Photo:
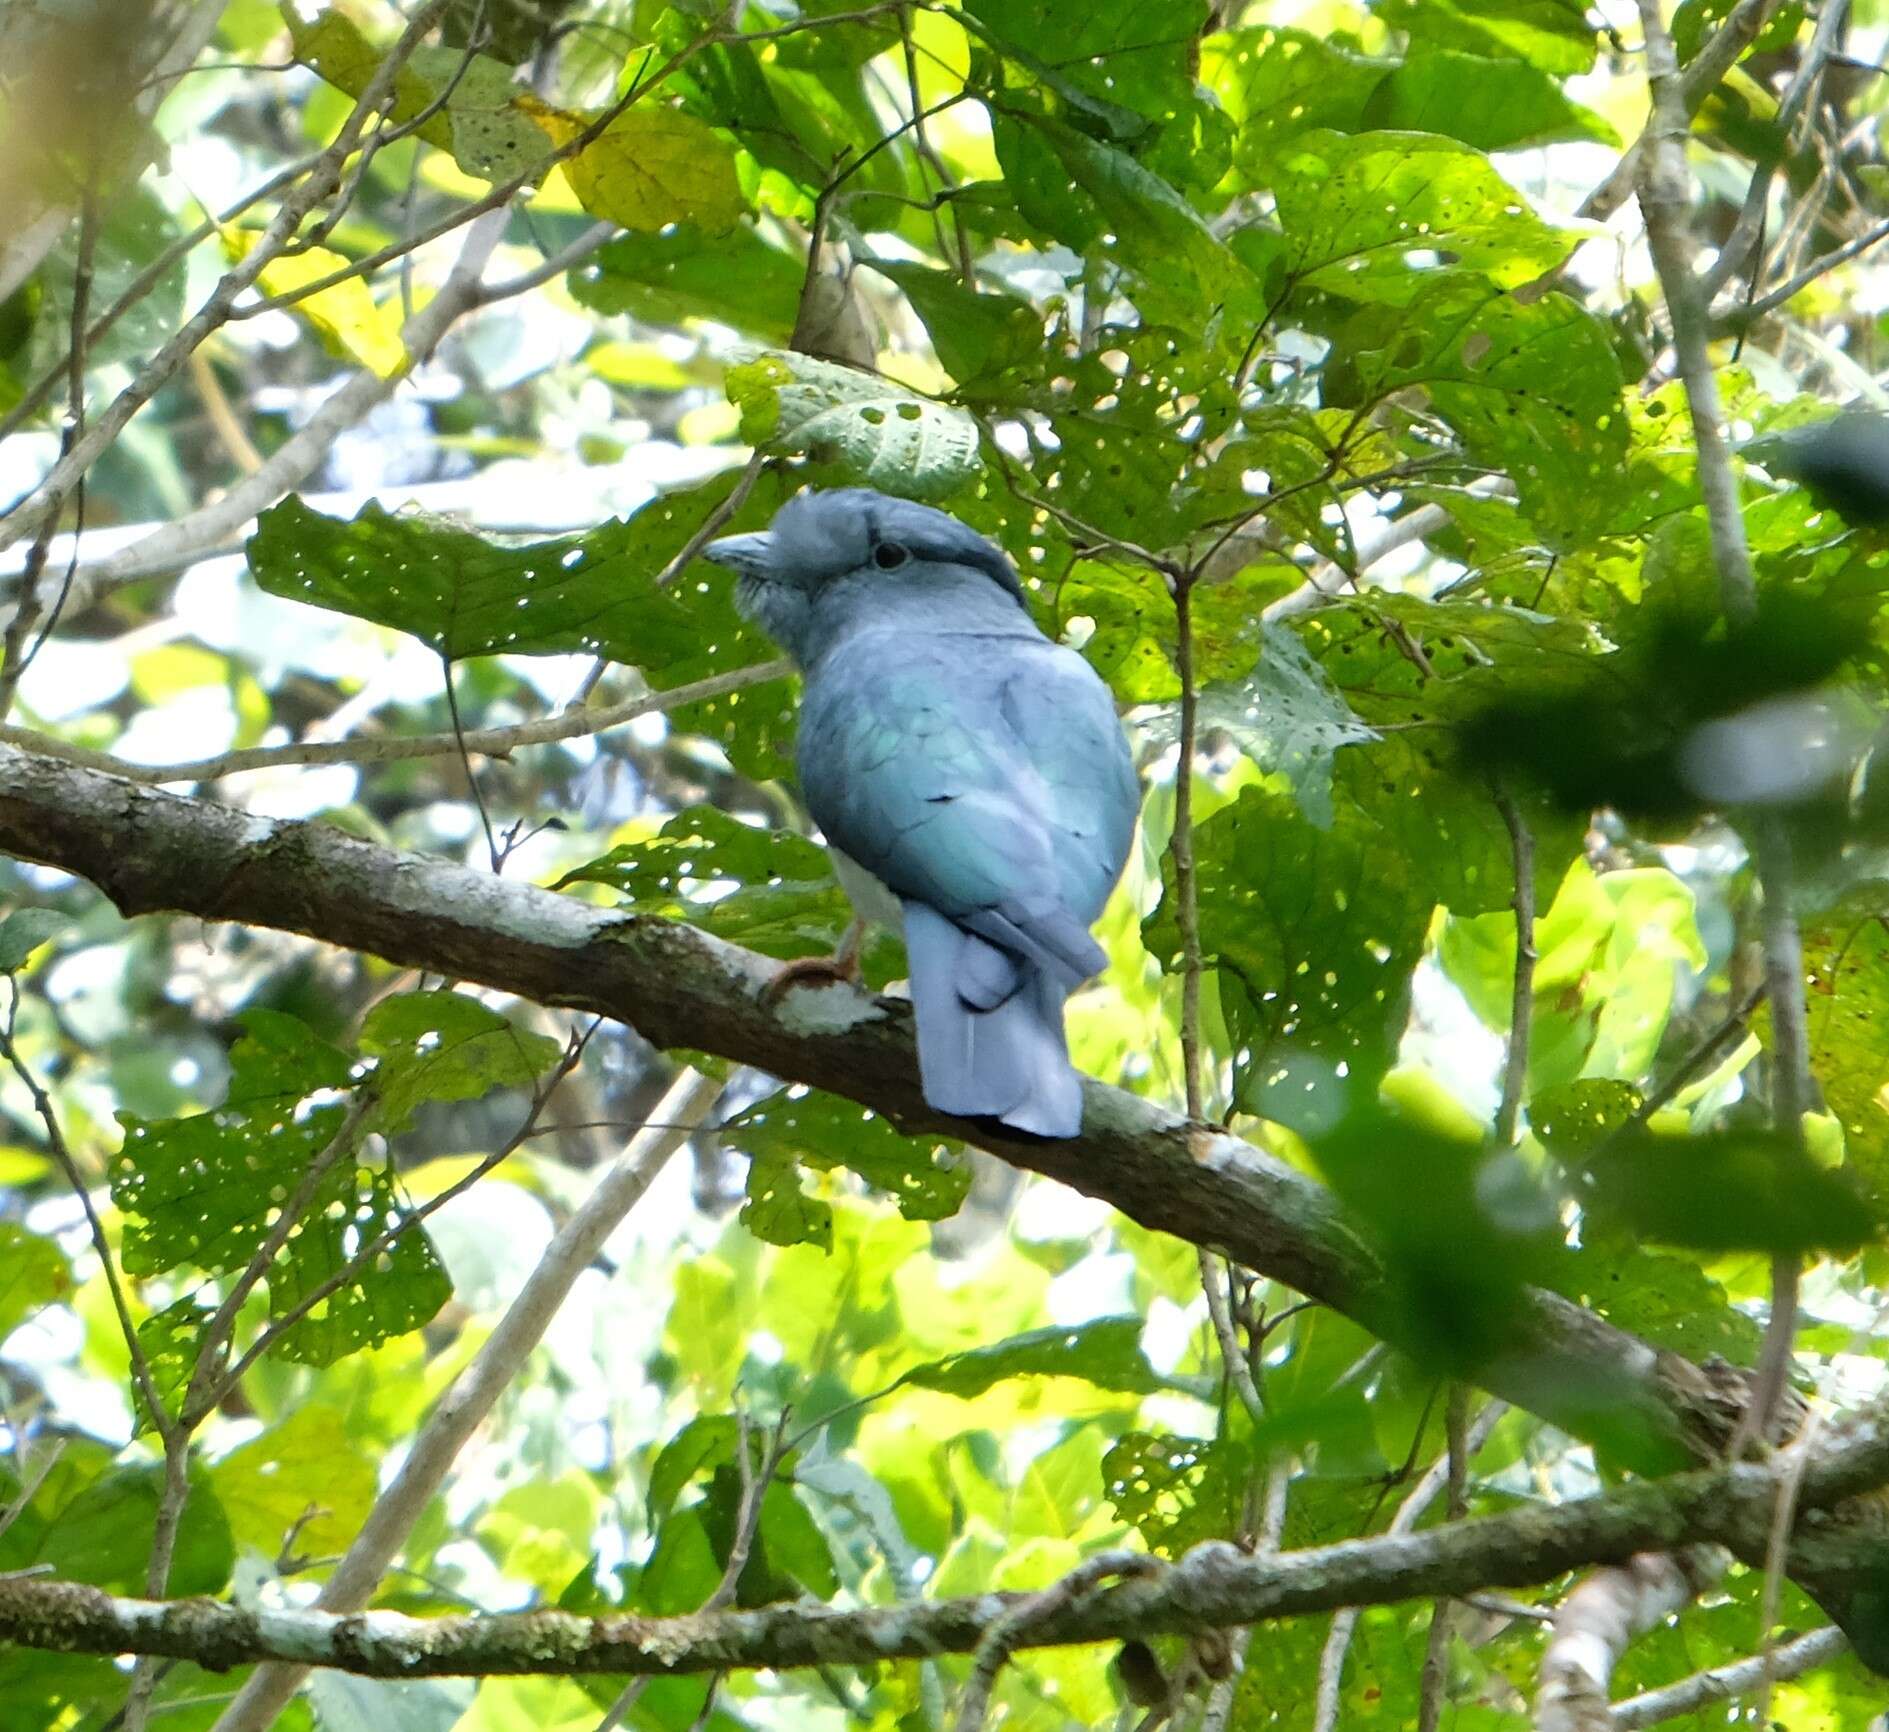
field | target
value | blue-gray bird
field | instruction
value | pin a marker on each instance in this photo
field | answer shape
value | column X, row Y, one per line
column 970, row 776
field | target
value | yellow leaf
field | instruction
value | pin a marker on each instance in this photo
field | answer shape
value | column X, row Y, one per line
column 346, row 314
column 650, row 167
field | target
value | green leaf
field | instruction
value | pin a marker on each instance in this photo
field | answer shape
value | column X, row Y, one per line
column 103, row 1536
column 1846, row 961
column 24, row 931
column 1557, row 36
column 875, row 431
column 1667, row 1301
column 1106, row 1352
column 34, row 1273
column 778, row 1212
column 1492, row 104
column 927, row 1177
column 737, row 279
column 200, row 1192
column 334, row 46
column 977, row 333
column 1458, row 1229
column 1183, row 271
column 134, row 231
column 1112, row 57
column 1177, row 1491
column 1279, row 83
column 682, row 1570
column 705, row 1443
column 464, row 595
column 1313, row 932
column 344, row 1703
column 1286, row 716
column 475, row 108
column 490, row 131
column 1533, row 389
column 1353, row 208
column 770, row 890
column 444, row 1046
column 1734, row 1190
column 305, row 1476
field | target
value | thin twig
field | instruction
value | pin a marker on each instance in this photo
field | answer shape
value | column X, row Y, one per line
column 24, row 517
column 158, row 1419
column 1004, row 1634
column 1215, row 1273
column 391, row 748
column 1434, row 1682
column 1435, row 1481
column 1522, row 995
column 1721, row 1683
column 1665, row 199
column 1181, row 851
column 465, row 1405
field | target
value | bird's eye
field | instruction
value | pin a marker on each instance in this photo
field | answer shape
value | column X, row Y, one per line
column 889, row 556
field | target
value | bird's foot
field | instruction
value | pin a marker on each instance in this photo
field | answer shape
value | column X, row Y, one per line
column 841, row 966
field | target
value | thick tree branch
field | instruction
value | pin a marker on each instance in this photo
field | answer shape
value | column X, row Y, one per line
column 1215, row 1586
column 1599, row 1619
column 679, row 987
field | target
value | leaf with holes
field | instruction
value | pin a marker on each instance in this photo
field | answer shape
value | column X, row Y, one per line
column 1313, row 932
column 1278, row 83
column 1286, row 716
column 203, row 1192
column 466, row 595
column 769, row 890
column 1533, row 389
column 444, row 1046
column 875, row 431
column 1177, row 1491
column 1355, row 208
column 1105, row 1351
column 926, row 1177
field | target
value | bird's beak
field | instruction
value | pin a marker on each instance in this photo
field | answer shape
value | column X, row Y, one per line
column 746, row 555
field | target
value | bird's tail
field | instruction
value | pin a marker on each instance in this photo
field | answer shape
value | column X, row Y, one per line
column 990, row 1030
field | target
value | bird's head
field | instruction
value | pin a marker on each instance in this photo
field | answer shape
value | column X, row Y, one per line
column 1843, row 460
column 830, row 557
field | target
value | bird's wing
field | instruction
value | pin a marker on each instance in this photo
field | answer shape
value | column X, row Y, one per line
column 943, row 768
column 1064, row 716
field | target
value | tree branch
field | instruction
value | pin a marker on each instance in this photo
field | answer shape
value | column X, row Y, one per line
column 680, row 987
column 1597, row 1621
column 1665, row 200
column 1720, row 1683
column 1216, row 1586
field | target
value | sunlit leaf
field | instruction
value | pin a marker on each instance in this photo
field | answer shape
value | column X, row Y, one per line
column 876, row 431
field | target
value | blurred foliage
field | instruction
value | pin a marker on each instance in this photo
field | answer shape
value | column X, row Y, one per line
column 1287, row 301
